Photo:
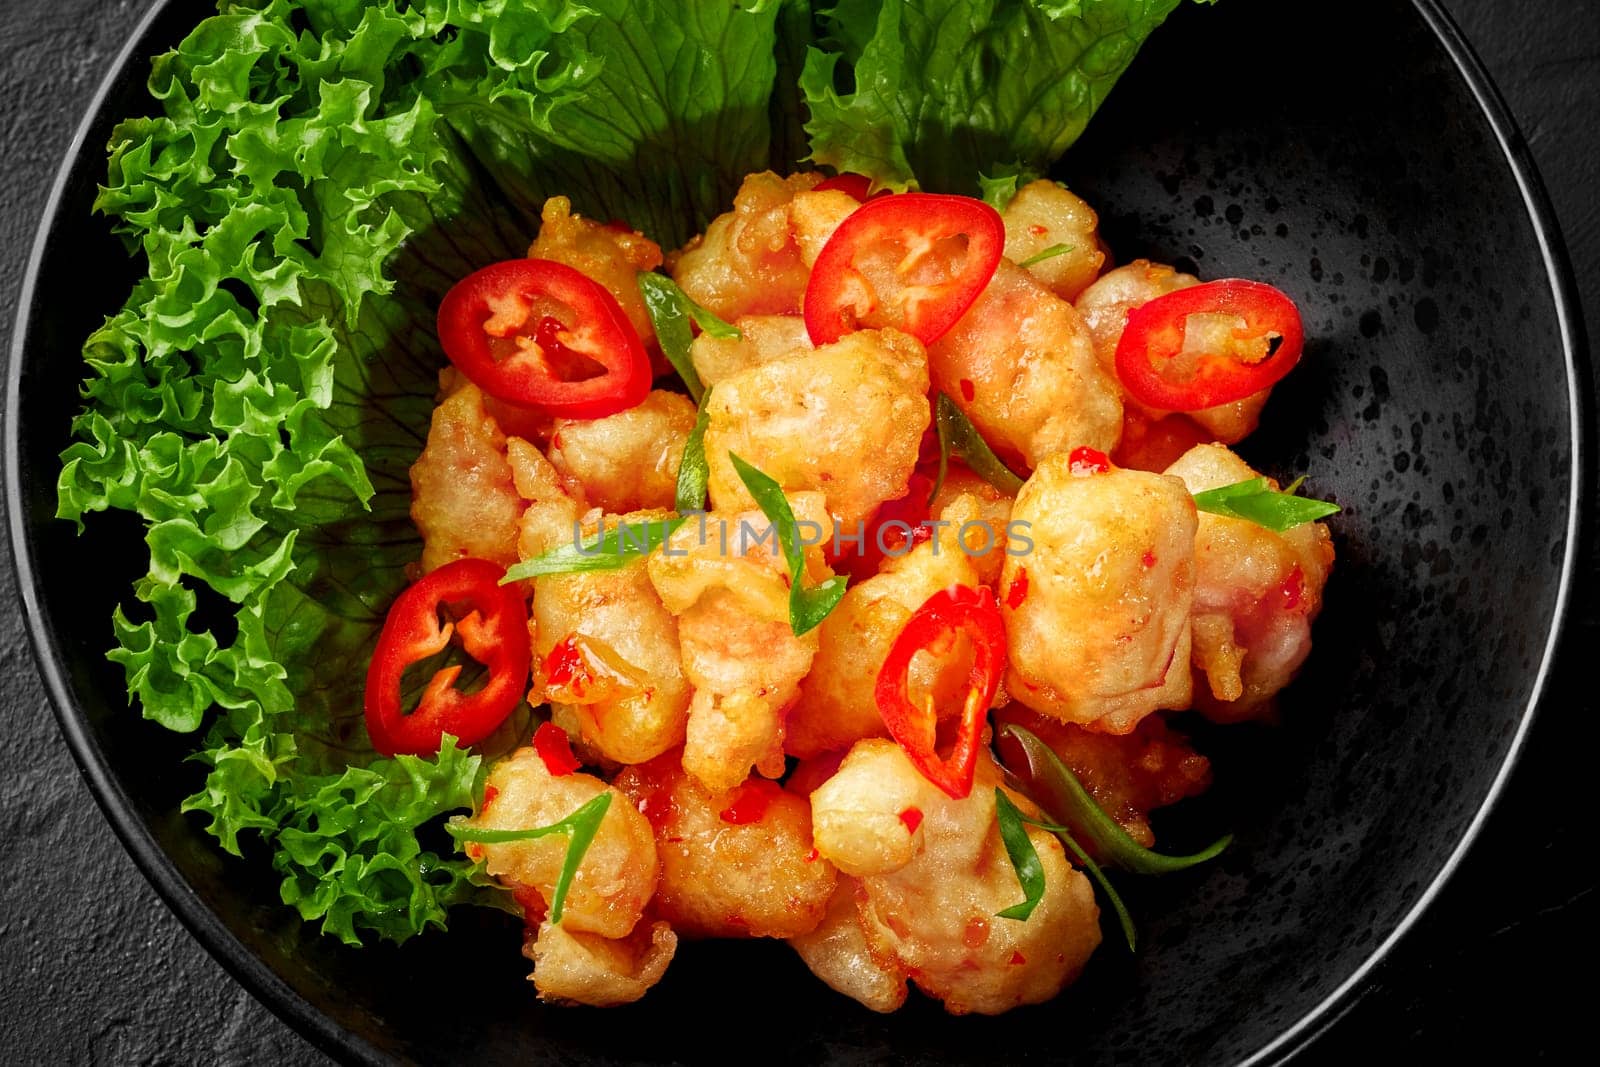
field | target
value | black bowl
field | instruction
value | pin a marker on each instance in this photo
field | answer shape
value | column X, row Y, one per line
column 1361, row 163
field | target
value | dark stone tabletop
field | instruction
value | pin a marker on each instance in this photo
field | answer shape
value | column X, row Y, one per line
column 93, row 968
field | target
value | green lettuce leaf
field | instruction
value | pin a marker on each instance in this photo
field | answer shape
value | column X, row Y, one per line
column 673, row 112
column 258, row 402
column 348, row 848
column 934, row 92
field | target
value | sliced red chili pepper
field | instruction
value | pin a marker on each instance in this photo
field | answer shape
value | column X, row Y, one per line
column 1159, row 371
column 492, row 624
column 915, row 262
column 933, row 628
column 857, row 185
column 751, row 801
column 912, row 818
column 555, row 749
column 543, row 335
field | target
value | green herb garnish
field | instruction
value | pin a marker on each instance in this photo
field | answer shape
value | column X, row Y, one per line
column 1024, row 858
column 1050, row 253
column 1030, row 873
column 1054, row 787
column 710, row 323
column 807, row 607
column 579, row 829
column 958, row 435
column 1254, row 500
column 694, row 473
column 671, row 311
column 612, row 550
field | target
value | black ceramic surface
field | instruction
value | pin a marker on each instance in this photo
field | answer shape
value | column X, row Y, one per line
column 1435, row 403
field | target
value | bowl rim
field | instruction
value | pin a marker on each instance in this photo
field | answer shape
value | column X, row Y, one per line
column 267, row 986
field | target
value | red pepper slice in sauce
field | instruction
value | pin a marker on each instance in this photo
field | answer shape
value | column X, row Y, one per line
column 750, row 801
column 915, row 262
column 1155, row 368
column 565, row 662
column 542, row 335
column 492, row 625
column 894, row 530
column 1018, row 590
column 933, row 628
column 1085, row 461
column 555, row 749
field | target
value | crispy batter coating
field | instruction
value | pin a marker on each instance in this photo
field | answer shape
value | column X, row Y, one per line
column 748, row 261
column 1129, row 775
column 760, row 878
column 932, row 917
column 1099, row 634
column 1256, row 595
column 837, row 952
column 464, row 500
column 551, row 506
column 1044, row 215
column 845, row 420
column 618, row 872
column 729, row 587
column 994, row 510
column 837, row 707
column 623, row 681
column 609, row 255
column 816, row 216
column 1021, row 364
column 627, row 461
column 577, row 968
column 856, row 814
column 762, row 339
column 1105, row 306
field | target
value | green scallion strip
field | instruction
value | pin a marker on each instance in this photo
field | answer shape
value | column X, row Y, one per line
column 613, row 550
column 1050, row 253
column 1254, row 500
column 1054, row 787
column 694, row 473
column 807, row 606
column 1025, row 860
column 671, row 311
column 958, row 435
column 579, row 828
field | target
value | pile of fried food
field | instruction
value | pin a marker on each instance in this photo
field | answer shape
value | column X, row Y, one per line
column 832, row 783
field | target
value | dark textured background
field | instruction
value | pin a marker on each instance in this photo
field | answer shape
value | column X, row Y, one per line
column 93, row 968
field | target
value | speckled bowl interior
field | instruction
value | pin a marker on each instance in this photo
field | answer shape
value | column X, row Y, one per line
column 1347, row 160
